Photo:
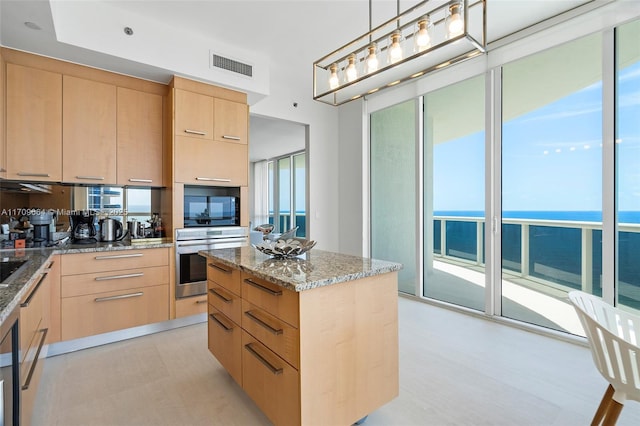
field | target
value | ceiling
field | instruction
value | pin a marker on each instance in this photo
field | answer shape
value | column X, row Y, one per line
column 291, row 34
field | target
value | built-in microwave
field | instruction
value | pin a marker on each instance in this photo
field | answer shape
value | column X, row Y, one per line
column 211, row 206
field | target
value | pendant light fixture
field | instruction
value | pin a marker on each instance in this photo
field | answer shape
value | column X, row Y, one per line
column 428, row 36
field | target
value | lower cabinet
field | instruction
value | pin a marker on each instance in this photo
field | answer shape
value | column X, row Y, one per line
column 191, row 306
column 96, row 297
column 328, row 355
column 33, row 326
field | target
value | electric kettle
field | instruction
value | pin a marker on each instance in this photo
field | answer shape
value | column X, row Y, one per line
column 111, row 230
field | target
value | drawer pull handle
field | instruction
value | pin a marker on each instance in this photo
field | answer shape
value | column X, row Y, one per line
column 33, row 174
column 195, row 132
column 122, row 296
column 90, row 177
column 219, row 268
column 220, row 296
column 274, row 370
column 118, row 256
column 118, row 277
column 27, row 383
column 263, row 288
column 220, row 323
column 141, row 180
column 35, row 289
column 50, row 265
column 233, row 138
column 276, row 331
column 198, row 302
column 210, row 179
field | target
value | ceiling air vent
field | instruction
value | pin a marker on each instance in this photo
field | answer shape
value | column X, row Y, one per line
column 221, row 62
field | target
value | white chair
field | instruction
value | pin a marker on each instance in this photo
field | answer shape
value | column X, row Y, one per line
column 613, row 337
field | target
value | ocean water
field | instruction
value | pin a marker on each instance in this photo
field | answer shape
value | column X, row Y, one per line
column 579, row 215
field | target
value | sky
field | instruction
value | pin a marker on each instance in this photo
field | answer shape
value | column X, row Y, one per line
column 551, row 157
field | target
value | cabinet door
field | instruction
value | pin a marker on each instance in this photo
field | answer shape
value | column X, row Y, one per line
column 208, row 162
column 3, row 150
column 34, row 124
column 139, row 138
column 88, row 131
column 230, row 121
column 225, row 343
column 193, row 115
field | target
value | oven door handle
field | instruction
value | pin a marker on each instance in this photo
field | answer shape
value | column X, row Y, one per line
column 205, row 243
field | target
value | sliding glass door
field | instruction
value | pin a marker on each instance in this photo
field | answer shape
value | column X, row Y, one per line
column 552, row 182
column 628, row 164
column 454, row 194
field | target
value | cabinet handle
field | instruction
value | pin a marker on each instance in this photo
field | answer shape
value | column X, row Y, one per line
column 219, row 268
column 27, row 383
column 263, row 288
column 274, row 370
column 276, row 331
column 51, row 264
column 122, row 296
column 195, row 132
column 32, row 174
column 90, row 177
column 141, row 180
column 220, row 323
column 118, row 256
column 35, row 289
column 233, row 138
column 198, row 302
column 220, row 296
column 117, row 277
column 208, row 179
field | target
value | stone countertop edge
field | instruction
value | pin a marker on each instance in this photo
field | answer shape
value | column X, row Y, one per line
column 21, row 281
column 334, row 276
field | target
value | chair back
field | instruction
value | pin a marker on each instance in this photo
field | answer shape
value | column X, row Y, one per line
column 613, row 337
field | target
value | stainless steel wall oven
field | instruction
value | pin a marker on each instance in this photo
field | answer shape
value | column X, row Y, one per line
column 191, row 268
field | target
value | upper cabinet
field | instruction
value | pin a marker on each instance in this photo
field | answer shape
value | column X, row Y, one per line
column 140, row 147
column 3, row 152
column 193, row 115
column 34, row 124
column 230, row 121
column 89, row 131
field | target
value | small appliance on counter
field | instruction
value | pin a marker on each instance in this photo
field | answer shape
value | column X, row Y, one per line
column 111, row 230
column 42, row 224
column 83, row 229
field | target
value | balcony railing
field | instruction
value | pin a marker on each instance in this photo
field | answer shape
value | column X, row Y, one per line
column 559, row 254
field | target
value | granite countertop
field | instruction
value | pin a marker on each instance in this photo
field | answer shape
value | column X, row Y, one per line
column 316, row 268
column 13, row 290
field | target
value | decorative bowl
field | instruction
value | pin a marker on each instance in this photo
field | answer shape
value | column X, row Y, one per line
column 291, row 247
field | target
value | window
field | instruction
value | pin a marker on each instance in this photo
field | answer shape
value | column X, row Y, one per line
column 287, row 193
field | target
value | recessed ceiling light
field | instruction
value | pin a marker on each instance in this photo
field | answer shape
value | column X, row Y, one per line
column 128, row 31
column 32, row 25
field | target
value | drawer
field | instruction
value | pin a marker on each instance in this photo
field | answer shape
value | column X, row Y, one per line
column 83, row 263
column 191, row 306
column 225, row 343
column 225, row 276
column 225, row 301
column 274, row 299
column 31, row 315
column 270, row 382
column 86, row 284
column 274, row 333
column 116, row 310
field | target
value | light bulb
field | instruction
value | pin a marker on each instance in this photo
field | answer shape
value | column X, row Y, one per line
column 422, row 37
column 333, row 78
column 351, row 71
column 455, row 25
column 371, row 63
column 395, row 50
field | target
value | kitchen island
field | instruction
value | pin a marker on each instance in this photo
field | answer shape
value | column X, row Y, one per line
column 312, row 339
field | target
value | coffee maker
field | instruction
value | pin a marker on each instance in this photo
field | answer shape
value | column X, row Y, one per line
column 41, row 228
column 83, row 230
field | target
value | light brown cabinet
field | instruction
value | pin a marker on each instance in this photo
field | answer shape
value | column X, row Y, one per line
column 34, row 327
column 3, row 146
column 34, row 124
column 191, row 306
column 230, row 121
column 207, row 162
column 102, row 292
column 139, row 140
column 193, row 115
column 88, row 131
column 327, row 354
